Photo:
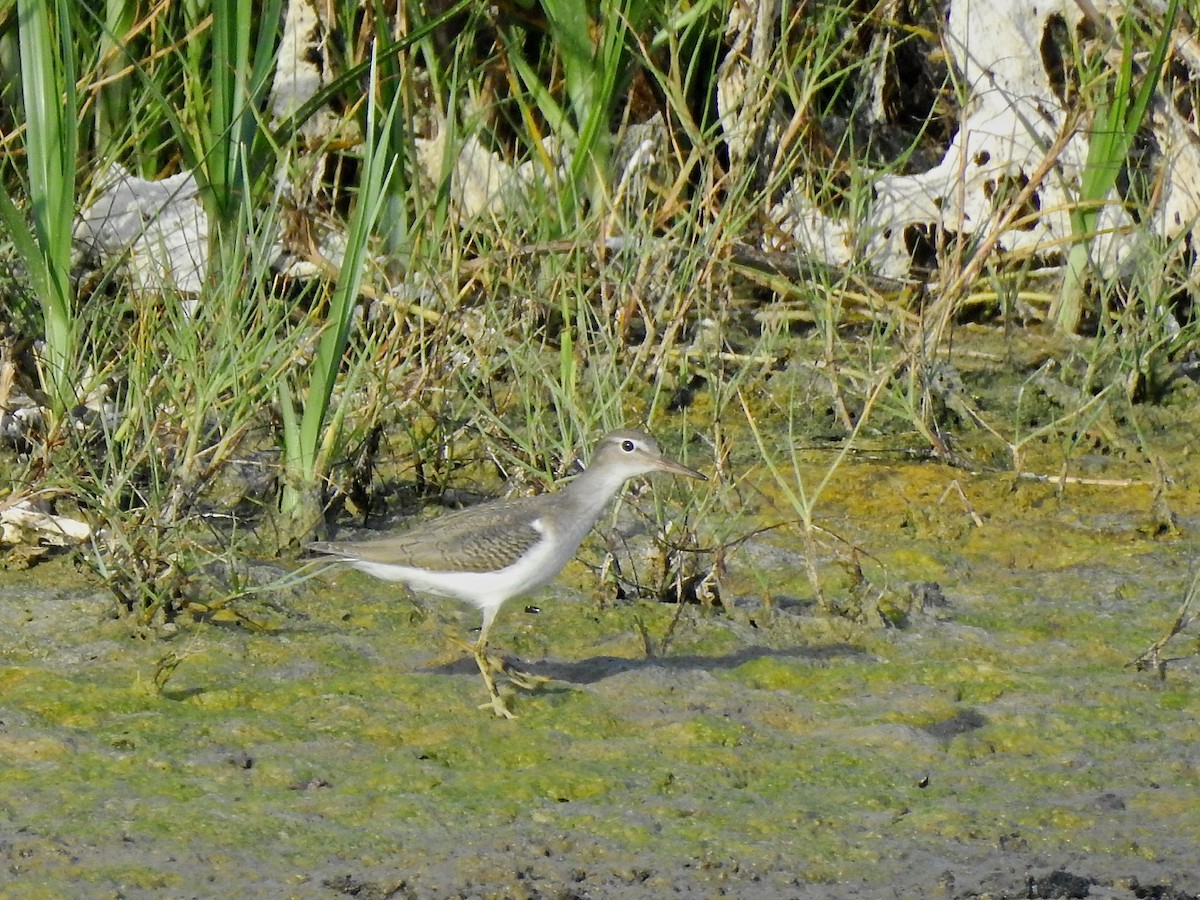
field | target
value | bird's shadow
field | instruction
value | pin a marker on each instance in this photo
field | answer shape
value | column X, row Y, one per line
column 598, row 668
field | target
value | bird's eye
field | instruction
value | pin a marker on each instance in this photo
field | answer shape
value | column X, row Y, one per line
column 627, row 445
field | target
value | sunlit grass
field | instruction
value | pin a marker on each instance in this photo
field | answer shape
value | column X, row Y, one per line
column 624, row 274
column 1119, row 112
column 51, row 110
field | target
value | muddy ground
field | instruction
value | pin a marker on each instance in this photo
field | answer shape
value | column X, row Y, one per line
column 989, row 740
column 957, row 719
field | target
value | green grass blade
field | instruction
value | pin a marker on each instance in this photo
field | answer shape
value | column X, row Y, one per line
column 303, row 438
column 1117, row 121
column 48, row 87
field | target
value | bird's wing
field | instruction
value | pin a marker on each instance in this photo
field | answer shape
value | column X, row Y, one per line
column 476, row 539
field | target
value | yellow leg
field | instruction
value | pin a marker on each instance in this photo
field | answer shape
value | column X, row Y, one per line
column 479, row 651
column 527, row 680
column 489, row 664
column 485, row 668
column 498, row 664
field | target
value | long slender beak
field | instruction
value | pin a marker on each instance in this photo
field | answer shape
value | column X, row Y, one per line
column 666, row 464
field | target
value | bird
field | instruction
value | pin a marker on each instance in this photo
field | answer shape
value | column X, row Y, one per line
column 489, row 553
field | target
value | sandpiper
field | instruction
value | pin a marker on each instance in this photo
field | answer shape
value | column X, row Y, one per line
column 495, row 551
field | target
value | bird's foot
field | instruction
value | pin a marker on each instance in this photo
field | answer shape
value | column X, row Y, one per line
column 498, row 664
column 498, row 706
column 520, row 678
column 486, row 664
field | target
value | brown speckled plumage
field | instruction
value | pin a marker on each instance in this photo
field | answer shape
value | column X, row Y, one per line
column 481, row 538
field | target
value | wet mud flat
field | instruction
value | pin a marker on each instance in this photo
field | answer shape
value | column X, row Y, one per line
column 992, row 742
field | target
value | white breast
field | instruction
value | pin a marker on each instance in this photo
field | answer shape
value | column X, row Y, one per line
column 486, row 590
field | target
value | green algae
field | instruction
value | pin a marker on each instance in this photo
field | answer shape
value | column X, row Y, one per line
column 714, row 771
column 765, row 737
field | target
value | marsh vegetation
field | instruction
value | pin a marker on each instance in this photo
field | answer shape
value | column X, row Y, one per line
column 272, row 270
